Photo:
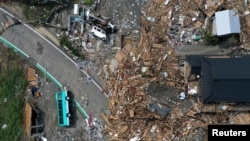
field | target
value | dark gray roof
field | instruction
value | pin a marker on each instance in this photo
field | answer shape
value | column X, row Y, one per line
column 231, row 68
column 226, row 79
column 194, row 60
column 195, row 63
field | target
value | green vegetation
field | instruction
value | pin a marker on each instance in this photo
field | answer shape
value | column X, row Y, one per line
column 233, row 41
column 65, row 42
column 88, row 2
column 27, row 11
column 76, row 1
column 12, row 86
column 209, row 39
column 36, row 13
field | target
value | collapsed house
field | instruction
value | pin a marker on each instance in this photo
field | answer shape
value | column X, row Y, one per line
column 151, row 96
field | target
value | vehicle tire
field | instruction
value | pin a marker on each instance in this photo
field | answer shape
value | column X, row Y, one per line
column 68, row 115
column 92, row 33
column 104, row 39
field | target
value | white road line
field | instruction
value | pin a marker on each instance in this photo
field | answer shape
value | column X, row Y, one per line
column 99, row 87
column 64, row 55
column 50, row 43
column 6, row 12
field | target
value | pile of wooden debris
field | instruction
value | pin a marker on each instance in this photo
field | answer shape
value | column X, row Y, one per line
column 148, row 97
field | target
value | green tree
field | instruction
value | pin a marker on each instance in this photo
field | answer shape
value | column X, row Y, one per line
column 88, row 2
column 209, row 39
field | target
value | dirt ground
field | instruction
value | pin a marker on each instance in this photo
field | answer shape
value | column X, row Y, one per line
column 16, row 9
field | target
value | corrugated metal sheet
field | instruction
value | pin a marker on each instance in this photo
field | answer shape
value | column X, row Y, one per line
column 227, row 22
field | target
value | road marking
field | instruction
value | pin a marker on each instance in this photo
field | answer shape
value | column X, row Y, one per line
column 97, row 85
column 64, row 55
column 6, row 12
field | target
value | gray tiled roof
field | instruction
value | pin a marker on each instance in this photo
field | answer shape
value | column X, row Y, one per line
column 226, row 79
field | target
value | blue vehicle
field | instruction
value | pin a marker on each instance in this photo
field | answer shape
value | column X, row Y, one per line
column 62, row 103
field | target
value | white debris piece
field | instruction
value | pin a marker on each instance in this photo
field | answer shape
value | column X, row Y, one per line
column 136, row 138
column 166, row 2
column 152, row 130
column 144, row 69
column 222, row 107
column 193, row 90
column 246, row 13
column 165, row 56
column 182, row 95
column 5, row 100
column 43, row 138
column 165, row 74
column 4, row 126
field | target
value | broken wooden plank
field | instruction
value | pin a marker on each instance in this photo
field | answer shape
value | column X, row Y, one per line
column 159, row 46
column 131, row 113
column 134, row 77
column 124, row 129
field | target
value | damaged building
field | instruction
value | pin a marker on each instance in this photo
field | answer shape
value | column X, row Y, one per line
column 154, row 95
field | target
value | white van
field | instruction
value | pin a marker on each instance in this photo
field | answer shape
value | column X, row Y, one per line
column 98, row 32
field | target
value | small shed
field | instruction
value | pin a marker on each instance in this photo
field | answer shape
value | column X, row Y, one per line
column 226, row 22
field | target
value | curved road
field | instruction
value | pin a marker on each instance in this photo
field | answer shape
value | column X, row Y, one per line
column 56, row 62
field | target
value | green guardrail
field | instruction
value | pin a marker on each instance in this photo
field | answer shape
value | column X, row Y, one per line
column 78, row 106
column 80, row 109
column 49, row 75
column 16, row 49
column 13, row 46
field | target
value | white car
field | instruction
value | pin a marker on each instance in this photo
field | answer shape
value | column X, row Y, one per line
column 98, row 32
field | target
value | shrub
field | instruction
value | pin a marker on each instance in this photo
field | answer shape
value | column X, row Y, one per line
column 65, row 42
column 88, row 2
column 209, row 39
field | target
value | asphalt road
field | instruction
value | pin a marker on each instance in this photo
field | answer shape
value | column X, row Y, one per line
column 57, row 64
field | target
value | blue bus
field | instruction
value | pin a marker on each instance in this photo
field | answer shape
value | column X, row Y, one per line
column 62, row 103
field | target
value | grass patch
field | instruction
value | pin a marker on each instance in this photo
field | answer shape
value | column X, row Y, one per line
column 27, row 11
column 88, row 2
column 12, row 85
